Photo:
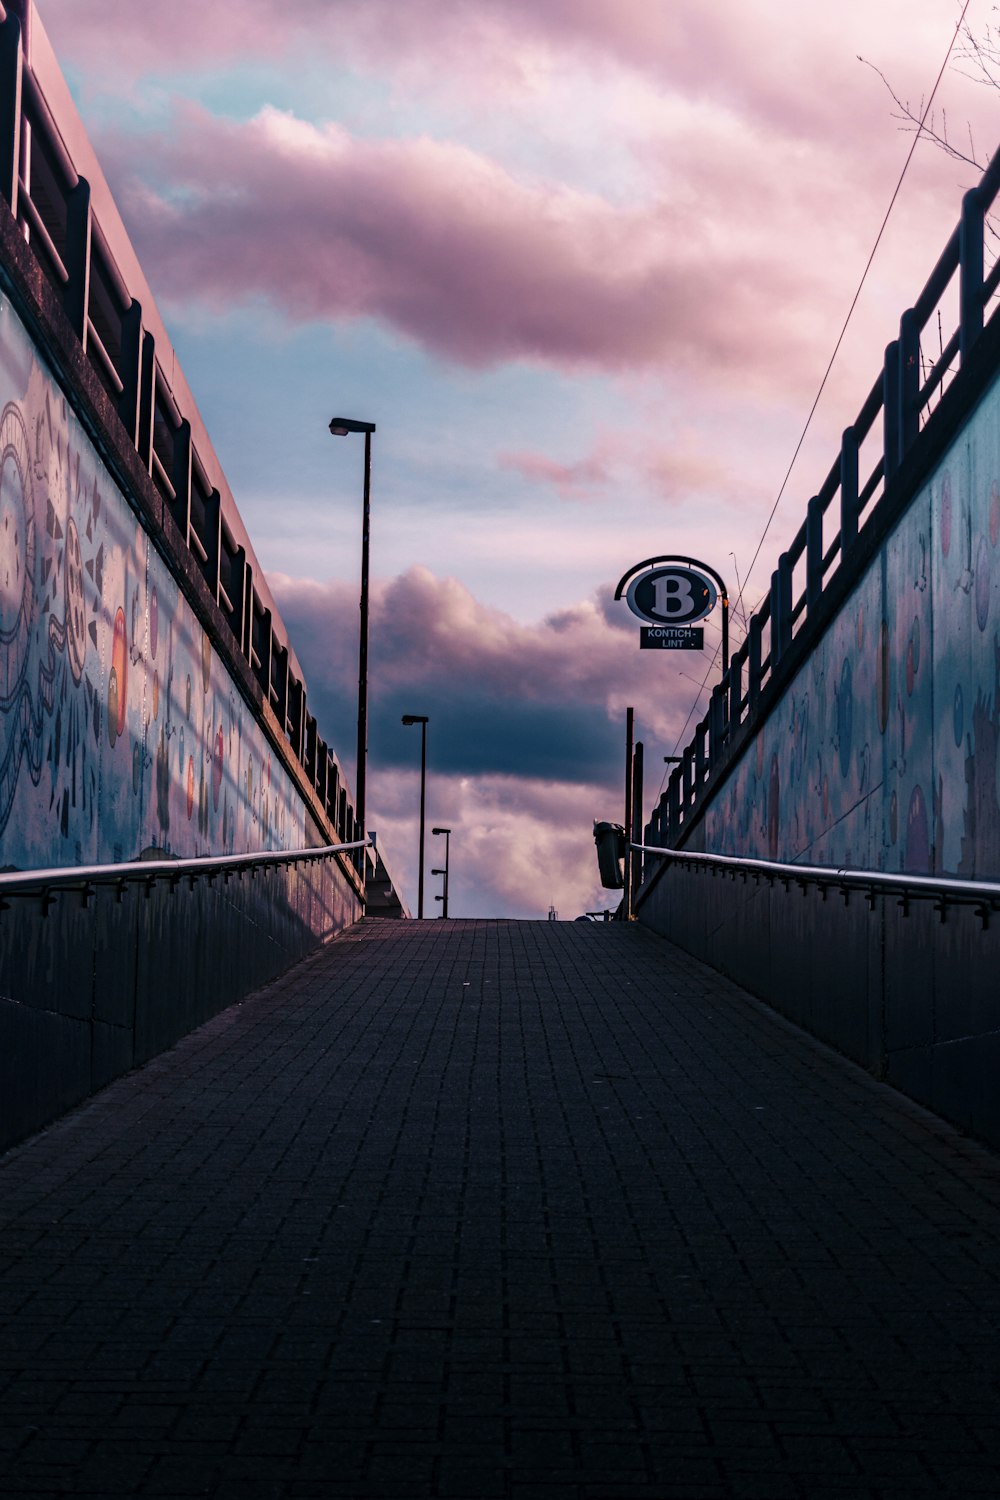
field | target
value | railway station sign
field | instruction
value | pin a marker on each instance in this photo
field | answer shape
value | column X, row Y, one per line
column 670, row 594
column 671, row 638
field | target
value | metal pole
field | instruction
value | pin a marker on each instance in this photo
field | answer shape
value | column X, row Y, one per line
column 447, row 858
column 423, row 790
column 629, row 734
column 363, row 647
column 636, row 831
column 725, row 631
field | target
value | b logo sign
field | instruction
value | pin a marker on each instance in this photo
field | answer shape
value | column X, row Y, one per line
column 671, row 596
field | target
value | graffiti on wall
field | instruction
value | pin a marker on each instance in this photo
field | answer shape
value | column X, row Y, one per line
column 120, row 730
column 885, row 750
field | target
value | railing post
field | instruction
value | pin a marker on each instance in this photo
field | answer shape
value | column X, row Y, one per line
column 753, row 662
column 147, row 383
column 128, row 401
column 673, row 801
column 180, row 478
column 77, row 290
column 909, row 381
column 781, row 609
column 10, row 107
column 814, row 553
column 890, row 409
column 687, row 769
column 735, row 692
column 700, row 755
column 716, row 723
column 848, row 492
column 970, row 260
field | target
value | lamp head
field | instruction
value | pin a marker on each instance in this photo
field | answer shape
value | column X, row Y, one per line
column 414, row 719
column 440, row 830
column 341, row 426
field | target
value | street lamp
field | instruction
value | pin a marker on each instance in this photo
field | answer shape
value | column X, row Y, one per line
column 340, row 427
column 421, row 719
column 443, row 898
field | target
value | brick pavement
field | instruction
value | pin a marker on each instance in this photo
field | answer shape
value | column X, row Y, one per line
column 480, row 1209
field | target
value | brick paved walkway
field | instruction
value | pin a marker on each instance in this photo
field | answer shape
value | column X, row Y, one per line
column 489, row 1209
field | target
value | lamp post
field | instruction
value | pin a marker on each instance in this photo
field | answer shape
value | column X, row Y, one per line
column 340, row 427
column 443, row 898
column 421, row 719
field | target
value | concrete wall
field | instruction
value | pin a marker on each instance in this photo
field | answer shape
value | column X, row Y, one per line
column 121, row 731
column 913, row 999
column 89, row 992
column 881, row 750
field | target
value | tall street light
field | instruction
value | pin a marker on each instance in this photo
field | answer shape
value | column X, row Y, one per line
column 443, row 898
column 421, row 719
column 340, row 427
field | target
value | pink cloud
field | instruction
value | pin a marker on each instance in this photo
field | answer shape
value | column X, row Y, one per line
column 456, row 253
column 522, row 819
column 747, row 56
column 569, row 480
column 431, row 635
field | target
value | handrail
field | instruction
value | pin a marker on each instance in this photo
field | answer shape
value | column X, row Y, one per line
column 68, row 877
column 985, row 894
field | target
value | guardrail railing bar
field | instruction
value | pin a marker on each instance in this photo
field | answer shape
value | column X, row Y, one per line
column 925, row 887
column 31, row 882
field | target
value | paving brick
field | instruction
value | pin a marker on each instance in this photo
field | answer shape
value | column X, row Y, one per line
column 499, row 1209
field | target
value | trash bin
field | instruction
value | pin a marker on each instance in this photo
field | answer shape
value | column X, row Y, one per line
column 610, row 841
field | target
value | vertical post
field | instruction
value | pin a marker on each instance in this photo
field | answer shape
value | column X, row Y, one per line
column 687, row 779
column 180, row 478
column 674, row 801
column 447, row 871
column 848, row 492
column 890, row 409
column 363, row 665
column 635, row 832
column 76, row 293
column 716, row 722
column 909, row 381
column 754, row 654
column 629, row 790
column 423, row 801
column 700, row 756
column 128, row 401
column 970, row 260
column 725, row 632
column 10, row 108
column 781, row 609
column 814, row 553
column 735, row 693
column 147, row 385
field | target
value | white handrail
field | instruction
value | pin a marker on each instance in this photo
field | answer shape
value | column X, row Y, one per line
column 17, row 882
column 911, row 885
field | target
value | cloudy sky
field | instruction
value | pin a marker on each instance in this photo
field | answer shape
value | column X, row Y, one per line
column 584, row 263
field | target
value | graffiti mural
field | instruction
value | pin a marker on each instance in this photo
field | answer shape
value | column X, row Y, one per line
column 885, row 751
column 120, row 730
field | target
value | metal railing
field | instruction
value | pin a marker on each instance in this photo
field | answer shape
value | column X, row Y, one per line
column 907, row 393
column 147, row 872
column 943, row 891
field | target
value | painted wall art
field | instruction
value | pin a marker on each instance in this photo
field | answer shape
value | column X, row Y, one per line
column 884, row 751
column 121, row 732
